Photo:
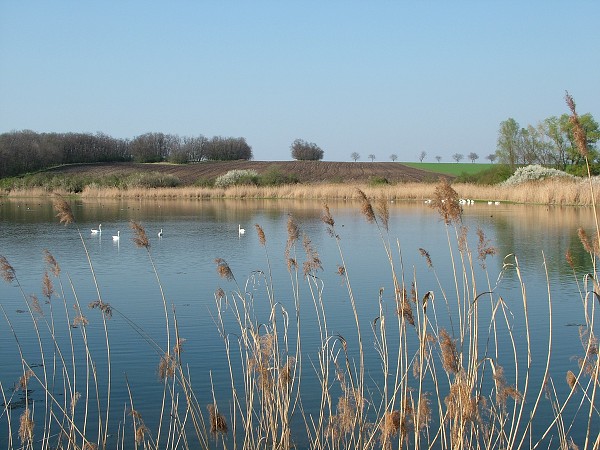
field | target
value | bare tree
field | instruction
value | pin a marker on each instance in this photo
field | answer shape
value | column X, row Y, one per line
column 372, row 157
column 492, row 157
column 438, row 158
column 422, row 156
column 473, row 156
column 306, row 151
column 393, row 157
column 355, row 156
column 458, row 157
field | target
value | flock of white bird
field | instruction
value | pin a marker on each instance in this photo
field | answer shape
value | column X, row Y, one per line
column 117, row 236
column 466, row 201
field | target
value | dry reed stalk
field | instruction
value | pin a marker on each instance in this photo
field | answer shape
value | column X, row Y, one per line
column 553, row 191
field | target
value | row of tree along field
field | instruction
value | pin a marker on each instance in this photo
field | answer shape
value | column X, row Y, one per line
column 27, row 151
column 549, row 143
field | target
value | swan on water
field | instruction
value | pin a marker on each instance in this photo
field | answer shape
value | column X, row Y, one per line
column 117, row 237
column 240, row 229
column 97, row 231
column 160, row 233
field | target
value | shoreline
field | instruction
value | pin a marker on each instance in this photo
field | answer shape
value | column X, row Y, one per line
column 548, row 192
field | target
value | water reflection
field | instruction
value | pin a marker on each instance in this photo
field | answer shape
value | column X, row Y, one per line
column 198, row 232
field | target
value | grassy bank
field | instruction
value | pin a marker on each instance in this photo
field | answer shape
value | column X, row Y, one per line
column 551, row 191
column 452, row 169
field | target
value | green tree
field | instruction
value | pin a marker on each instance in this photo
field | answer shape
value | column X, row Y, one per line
column 508, row 142
column 555, row 131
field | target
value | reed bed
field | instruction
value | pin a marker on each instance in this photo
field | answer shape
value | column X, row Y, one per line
column 551, row 191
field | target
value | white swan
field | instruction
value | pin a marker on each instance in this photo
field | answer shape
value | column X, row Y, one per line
column 240, row 229
column 117, row 237
column 160, row 233
column 97, row 231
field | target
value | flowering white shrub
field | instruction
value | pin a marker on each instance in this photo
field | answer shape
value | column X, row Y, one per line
column 534, row 172
column 234, row 177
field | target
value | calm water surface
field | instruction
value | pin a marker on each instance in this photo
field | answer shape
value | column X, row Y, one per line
column 198, row 232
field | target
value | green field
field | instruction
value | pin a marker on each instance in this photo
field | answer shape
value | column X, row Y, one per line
column 454, row 169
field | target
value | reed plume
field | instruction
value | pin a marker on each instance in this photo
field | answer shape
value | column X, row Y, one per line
column 102, row 306
column 449, row 353
column 503, row 389
column 26, row 426
column 446, row 201
column 383, row 212
column 140, row 238
column 293, row 233
column 6, row 270
column 424, row 253
column 579, row 135
column 583, row 238
column 571, row 380
column 24, row 380
column 313, row 262
column 63, row 211
column 484, row 249
column 218, row 424
column 366, row 208
column 47, row 286
column 166, row 366
column 223, row 269
column 261, row 234
column 52, row 263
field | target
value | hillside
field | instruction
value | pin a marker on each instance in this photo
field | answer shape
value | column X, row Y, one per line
column 304, row 171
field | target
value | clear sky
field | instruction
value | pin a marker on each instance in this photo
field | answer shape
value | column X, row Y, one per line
column 373, row 77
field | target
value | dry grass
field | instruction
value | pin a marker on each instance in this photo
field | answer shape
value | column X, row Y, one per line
column 554, row 192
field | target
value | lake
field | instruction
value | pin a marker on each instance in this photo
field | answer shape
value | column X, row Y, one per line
column 350, row 280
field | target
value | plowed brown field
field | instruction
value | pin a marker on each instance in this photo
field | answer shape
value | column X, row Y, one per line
column 304, row 171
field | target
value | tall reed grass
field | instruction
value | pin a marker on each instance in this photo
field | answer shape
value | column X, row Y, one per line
column 451, row 372
column 550, row 191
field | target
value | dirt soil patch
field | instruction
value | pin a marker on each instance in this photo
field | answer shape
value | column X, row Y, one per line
column 304, row 171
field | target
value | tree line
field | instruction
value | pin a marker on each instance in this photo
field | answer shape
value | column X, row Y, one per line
column 550, row 143
column 27, row 151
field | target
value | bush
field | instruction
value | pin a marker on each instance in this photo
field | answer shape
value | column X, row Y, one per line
column 204, row 182
column 493, row 175
column 581, row 170
column 151, row 180
column 236, row 177
column 534, row 172
column 376, row 180
column 275, row 177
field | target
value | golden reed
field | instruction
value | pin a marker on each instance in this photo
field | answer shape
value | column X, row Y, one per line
column 551, row 192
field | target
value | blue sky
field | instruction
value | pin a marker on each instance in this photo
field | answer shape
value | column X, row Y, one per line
column 373, row 77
